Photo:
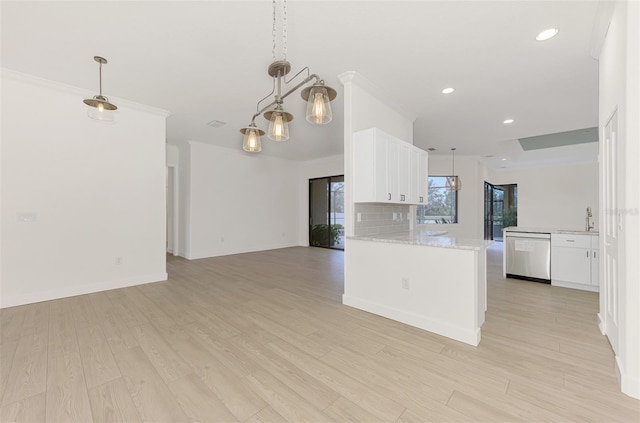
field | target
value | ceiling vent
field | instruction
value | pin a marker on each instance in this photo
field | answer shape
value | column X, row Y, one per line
column 216, row 123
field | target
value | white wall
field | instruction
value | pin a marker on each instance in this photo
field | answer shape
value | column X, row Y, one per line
column 97, row 192
column 240, row 202
column 470, row 197
column 620, row 89
column 554, row 196
column 318, row 168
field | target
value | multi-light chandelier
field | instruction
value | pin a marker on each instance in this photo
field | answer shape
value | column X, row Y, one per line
column 318, row 97
column 100, row 107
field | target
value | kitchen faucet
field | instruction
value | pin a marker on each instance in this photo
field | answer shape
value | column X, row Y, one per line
column 589, row 226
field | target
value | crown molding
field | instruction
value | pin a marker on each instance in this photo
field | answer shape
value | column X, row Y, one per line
column 69, row 89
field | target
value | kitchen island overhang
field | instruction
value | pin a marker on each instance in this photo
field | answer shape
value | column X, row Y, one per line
column 438, row 284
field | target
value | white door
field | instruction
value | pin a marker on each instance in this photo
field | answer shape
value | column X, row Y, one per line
column 609, row 286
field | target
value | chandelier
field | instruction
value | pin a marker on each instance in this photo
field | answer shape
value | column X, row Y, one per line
column 318, row 97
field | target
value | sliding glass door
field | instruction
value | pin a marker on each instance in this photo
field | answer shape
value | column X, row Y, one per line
column 326, row 212
column 500, row 209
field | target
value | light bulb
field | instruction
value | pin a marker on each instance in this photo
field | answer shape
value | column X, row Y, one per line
column 318, row 108
column 253, row 141
column 100, row 107
column 278, row 127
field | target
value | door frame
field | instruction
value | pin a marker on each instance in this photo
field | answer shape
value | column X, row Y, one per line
column 172, row 170
column 309, row 223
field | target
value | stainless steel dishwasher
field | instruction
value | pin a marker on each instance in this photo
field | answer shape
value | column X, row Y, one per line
column 528, row 256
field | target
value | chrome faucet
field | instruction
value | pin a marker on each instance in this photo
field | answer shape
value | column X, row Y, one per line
column 589, row 225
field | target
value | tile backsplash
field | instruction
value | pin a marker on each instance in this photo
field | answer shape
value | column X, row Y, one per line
column 375, row 218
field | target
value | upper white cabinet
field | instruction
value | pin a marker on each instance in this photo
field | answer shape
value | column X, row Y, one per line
column 574, row 261
column 387, row 169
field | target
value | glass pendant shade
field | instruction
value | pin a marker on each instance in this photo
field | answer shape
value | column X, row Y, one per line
column 453, row 183
column 278, row 124
column 318, row 106
column 252, row 142
column 100, row 109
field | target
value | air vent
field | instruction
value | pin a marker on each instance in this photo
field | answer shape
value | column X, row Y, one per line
column 216, row 123
column 431, row 149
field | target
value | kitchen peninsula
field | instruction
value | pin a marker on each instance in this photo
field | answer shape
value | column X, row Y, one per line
column 436, row 283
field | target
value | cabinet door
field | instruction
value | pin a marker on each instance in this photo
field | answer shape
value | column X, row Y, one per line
column 404, row 173
column 571, row 265
column 595, row 268
column 422, row 177
column 393, row 170
column 370, row 166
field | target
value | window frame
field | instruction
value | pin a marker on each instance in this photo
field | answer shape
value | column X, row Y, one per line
column 455, row 218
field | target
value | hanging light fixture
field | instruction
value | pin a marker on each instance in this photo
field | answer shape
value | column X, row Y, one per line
column 318, row 97
column 453, row 182
column 100, row 108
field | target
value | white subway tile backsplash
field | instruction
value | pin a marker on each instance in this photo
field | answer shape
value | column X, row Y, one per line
column 379, row 218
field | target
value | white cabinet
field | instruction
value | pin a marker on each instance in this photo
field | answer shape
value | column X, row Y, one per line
column 574, row 261
column 387, row 169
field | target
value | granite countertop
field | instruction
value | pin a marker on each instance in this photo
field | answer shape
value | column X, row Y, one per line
column 549, row 230
column 426, row 238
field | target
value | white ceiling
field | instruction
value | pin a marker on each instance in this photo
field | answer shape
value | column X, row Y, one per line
column 207, row 60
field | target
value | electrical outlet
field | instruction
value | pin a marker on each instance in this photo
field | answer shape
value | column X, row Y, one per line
column 405, row 283
column 359, row 217
column 395, row 216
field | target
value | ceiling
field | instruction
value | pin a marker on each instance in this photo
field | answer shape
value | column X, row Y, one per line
column 207, row 60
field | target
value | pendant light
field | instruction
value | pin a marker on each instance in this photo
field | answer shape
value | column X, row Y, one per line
column 99, row 106
column 252, row 142
column 318, row 96
column 453, row 182
column 278, row 124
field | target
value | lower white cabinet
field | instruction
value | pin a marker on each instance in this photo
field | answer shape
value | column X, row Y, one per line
column 574, row 261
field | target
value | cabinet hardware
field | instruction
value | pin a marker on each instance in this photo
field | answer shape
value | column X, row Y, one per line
column 571, row 240
column 594, row 254
column 389, row 197
column 587, row 253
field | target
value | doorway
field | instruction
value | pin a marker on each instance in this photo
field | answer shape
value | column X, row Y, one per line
column 500, row 209
column 172, row 210
column 326, row 212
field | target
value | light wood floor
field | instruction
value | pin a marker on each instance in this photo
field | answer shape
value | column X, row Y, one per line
column 263, row 337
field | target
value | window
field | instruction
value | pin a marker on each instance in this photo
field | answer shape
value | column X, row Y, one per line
column 442, row 204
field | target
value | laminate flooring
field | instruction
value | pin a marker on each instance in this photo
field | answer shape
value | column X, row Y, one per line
column 263, row 337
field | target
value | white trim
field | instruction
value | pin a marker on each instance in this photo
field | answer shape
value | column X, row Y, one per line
column 243, row 250
column 471, row 337
column 47, row 83
column 173, row 168
column 72, row 291
column 629, row 384
column 601, row 27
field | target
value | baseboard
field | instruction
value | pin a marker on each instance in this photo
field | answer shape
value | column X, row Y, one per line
column 468, row 336
column 629, row 384
column 582, row 287
column 229, row 252
column 601, row 326
column 72, row 291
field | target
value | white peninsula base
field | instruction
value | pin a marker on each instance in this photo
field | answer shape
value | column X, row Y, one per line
column 441, row 289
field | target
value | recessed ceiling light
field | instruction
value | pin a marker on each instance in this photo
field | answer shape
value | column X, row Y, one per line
column 489, row 155
column 503, row 159
column 448, row 90
column 431, row 149
column 546, row 34
column 508, row 121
